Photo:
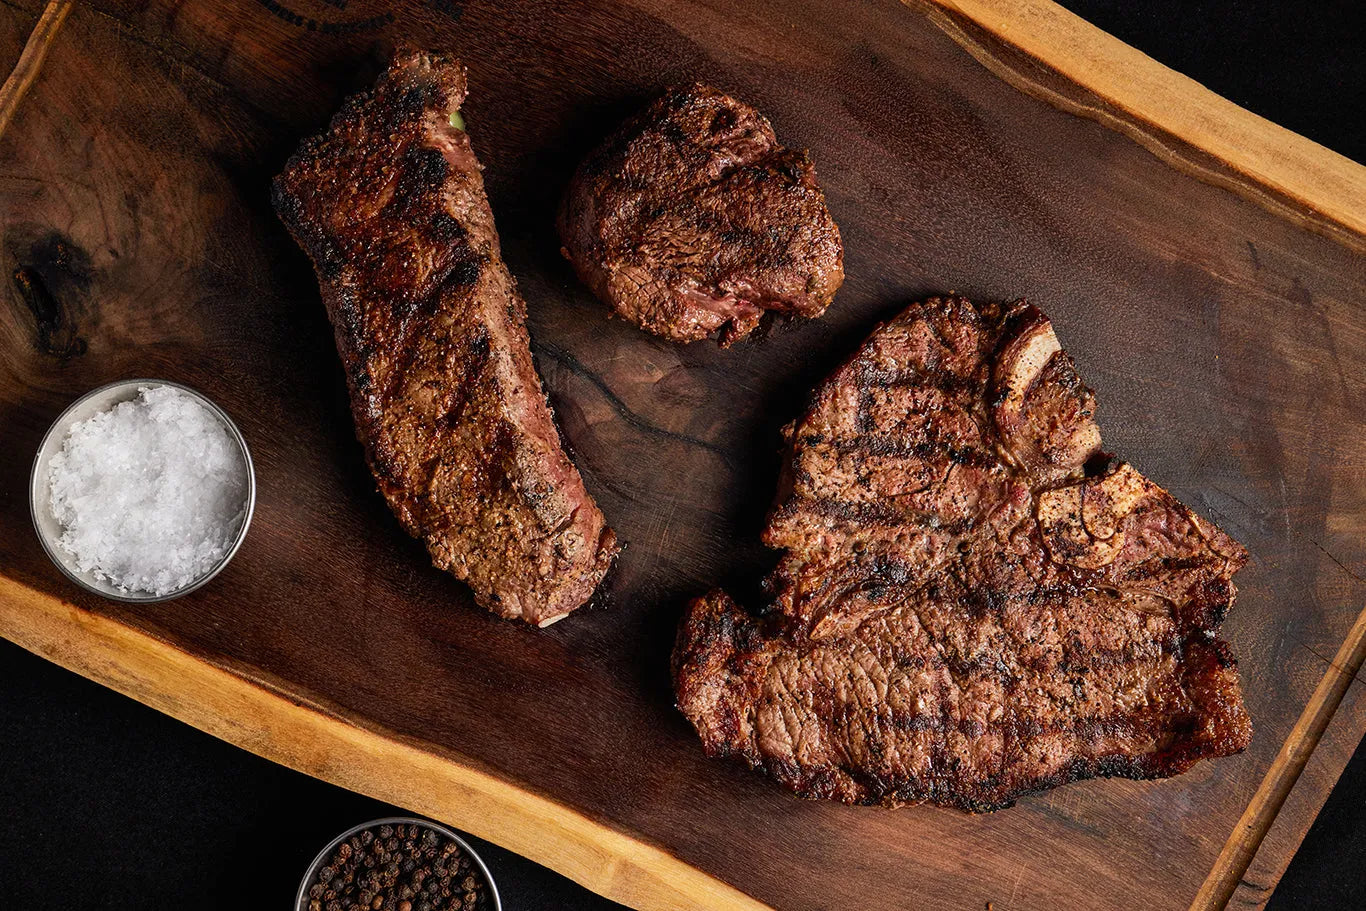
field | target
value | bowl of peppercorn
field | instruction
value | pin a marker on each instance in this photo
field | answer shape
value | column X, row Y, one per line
column 398, row 864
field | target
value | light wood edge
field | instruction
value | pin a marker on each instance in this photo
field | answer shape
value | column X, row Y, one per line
column 1266, row 803
column 602, row 859
column 1296, row 178
column 31, row 59
column 366, row 760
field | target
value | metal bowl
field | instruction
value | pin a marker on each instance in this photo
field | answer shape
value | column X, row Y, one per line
column 47, row 526
column 301, row 903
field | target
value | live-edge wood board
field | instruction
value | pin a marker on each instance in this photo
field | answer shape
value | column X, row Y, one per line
column 1204, row 267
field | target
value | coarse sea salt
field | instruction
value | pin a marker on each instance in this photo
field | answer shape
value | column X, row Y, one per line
column 151, row 493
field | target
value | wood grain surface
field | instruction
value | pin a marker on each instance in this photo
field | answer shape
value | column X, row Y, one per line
column 1219, row 317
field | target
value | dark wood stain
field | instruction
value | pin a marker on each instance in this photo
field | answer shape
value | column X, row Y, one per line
column 52, row 278
column 1227, row 346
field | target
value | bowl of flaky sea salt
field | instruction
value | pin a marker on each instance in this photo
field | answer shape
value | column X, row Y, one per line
column 142, row 490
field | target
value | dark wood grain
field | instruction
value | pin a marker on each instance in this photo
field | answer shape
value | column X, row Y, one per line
column 1226, row 343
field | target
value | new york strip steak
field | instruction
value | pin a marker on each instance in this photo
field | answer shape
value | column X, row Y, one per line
column 389, row 204
column 973, row 602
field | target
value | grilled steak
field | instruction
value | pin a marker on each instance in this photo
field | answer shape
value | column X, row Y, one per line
column 389, row 203
column 974, row 602
column 692, row 218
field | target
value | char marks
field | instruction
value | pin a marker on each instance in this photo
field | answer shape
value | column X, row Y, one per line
column 692, row 219
column 390, row 205
column 973, row 601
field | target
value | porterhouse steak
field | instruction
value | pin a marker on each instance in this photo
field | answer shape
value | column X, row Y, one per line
column 973, row 602
column 389, row 204
column 691, row 219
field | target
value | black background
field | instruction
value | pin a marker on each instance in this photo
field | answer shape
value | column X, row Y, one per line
column 107, row 804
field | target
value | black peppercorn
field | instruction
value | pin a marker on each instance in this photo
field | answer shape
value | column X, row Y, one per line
column 400, row 867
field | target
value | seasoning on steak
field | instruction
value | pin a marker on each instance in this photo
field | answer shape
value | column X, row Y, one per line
column 389, row 203
column 974, row 602
column 692, row 219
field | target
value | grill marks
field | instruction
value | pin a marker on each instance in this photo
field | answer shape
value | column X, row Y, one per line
column 973, row 602
column 390, row 205
column 693, row 219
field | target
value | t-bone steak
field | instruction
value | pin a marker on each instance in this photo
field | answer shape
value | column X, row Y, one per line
column 973, row 601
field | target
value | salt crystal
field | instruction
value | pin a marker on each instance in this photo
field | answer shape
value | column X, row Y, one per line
column 151, row 493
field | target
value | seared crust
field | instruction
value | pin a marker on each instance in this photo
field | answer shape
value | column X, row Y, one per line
column 692, row 219
column 389, row 203
column 974, row 602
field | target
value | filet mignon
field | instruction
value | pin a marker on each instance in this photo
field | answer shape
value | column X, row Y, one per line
column 693, row 219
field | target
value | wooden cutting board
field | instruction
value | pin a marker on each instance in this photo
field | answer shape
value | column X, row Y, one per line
column 1205, row 268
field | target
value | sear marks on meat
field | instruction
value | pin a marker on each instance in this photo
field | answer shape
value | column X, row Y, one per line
column 389, row 204
column 692, row 219
column 974, row 602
